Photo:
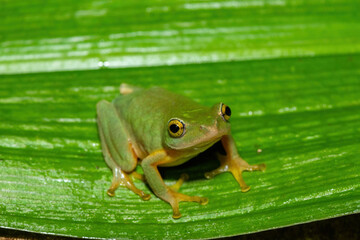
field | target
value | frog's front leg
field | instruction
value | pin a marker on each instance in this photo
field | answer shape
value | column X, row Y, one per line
column 154, row 179
column 233, row 163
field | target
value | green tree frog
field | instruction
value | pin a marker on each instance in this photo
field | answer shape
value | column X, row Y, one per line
column 156, row 128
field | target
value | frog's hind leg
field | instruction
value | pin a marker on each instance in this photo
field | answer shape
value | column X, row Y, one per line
column 117, row 151
column 127, row 89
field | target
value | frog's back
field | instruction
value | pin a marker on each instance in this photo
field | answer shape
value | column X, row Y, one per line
column 156, row 98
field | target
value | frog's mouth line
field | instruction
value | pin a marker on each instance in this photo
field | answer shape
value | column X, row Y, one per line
column 207, row 144
column 201, row 145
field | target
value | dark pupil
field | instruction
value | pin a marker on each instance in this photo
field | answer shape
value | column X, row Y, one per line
column 228, row 111
column 174, row 128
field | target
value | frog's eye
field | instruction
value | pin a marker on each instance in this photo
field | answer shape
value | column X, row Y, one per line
column 225, row 112
column 176, row 128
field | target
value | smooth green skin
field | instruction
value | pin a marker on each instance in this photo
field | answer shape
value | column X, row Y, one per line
column 136, row 126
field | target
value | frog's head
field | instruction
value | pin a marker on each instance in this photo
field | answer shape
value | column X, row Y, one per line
column 198, row 127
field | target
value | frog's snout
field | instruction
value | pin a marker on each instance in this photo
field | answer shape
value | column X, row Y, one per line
column 209, row 130
column 204, row 129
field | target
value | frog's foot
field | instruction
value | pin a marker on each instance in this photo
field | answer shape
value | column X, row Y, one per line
column 121, row 178
column 127, row 89
column 184, row 177
column 174, row 198
column 236, row 166
column 138, row 176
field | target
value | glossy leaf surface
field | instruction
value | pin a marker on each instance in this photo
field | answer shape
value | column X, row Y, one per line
column 289, row 70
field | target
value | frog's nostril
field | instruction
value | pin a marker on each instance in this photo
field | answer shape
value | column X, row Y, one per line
column 203, row 128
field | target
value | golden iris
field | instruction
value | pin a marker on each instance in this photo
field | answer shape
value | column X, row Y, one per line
column 176, row 128
column 225, row 112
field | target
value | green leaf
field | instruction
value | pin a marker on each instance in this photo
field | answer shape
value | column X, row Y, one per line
column 290, row 70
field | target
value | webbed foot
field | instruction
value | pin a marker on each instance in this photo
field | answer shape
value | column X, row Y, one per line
column 121, row 178
column 174, row 198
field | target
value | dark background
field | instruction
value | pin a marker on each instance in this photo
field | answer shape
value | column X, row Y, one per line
column 346, row 227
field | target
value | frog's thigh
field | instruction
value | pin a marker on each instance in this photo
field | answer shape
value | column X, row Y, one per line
column 114, row 139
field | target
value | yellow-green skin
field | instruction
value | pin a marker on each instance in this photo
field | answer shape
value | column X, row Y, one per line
column 134, row 129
